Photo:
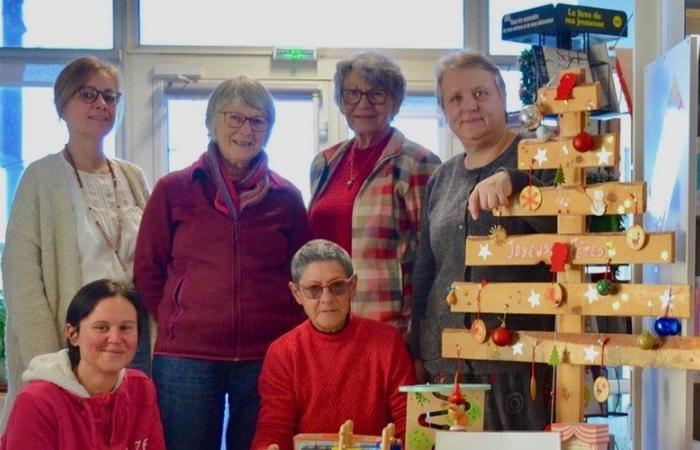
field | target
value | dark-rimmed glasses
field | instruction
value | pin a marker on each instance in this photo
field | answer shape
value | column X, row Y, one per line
column 236, row 120
column 89, row 95
column 337, row 287
column 374, row 96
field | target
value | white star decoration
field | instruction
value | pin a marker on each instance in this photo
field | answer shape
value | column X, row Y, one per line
column 591, row 294
column 603, row 156
column 565, row 149
column 616, row 306
column 484, row 251
column 541, row 156
column 534, row 299
column 591, row 353
column 518, row 348
column 664, row 255
column 667, row 299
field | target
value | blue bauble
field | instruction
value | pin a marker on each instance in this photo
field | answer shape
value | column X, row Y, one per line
column 667, row 326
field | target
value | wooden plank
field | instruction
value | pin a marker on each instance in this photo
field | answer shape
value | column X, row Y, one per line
column 642, row 300
column 594, row 248
column 611, row 198
column 677, row 352
column 585, row 97
column 536, row 154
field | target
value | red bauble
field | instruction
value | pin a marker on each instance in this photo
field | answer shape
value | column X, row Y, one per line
column 583, row 142
column 502, row 336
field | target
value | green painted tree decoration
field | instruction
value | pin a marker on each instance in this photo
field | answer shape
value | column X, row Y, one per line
column 559, row 178
column 554, row 358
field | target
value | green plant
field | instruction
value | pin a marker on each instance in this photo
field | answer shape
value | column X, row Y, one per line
column 528, row 83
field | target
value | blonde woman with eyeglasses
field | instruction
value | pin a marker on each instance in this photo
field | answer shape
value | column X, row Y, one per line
column 74, row 219
column 212, row 265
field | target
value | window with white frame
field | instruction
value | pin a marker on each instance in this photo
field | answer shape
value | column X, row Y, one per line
column 306, row 23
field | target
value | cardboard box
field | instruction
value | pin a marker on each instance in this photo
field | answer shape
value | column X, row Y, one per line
column 582, row 436
column 427, row 411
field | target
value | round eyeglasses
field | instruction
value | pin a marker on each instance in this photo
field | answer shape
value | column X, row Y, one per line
column 236, row 120
column 374, row 96
column 89, row 95
column 337, row 287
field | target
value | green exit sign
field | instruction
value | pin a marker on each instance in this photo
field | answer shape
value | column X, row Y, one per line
column 294, row 54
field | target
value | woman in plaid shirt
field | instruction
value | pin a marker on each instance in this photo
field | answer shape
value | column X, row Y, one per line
column 367, row 191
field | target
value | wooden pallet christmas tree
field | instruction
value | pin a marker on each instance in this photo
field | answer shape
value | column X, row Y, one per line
column 571, row 298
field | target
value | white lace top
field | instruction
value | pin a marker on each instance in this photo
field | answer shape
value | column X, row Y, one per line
column 97, row 259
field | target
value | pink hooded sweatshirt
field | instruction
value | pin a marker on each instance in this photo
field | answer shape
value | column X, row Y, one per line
column 54, row 411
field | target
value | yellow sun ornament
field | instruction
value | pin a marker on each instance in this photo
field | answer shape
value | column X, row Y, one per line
column 498, row 235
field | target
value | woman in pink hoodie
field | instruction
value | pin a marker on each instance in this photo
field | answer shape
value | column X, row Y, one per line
column 84, row 397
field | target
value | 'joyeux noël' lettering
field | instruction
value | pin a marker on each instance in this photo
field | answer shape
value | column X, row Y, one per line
column 543, row 251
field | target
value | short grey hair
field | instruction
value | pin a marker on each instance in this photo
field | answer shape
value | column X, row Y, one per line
column 320, row 250
column 377, row 69
column 243, row 90
column 468, row 59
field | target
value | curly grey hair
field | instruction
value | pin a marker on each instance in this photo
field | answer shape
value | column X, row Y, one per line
column 378, row 70
column 320, row 250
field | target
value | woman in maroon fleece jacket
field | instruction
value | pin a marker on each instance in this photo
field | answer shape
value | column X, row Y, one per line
column 212, row 264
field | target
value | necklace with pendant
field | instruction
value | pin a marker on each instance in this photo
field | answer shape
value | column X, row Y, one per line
column 116, row 244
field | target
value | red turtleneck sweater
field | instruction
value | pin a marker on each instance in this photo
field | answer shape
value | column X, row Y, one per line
column 312, row 382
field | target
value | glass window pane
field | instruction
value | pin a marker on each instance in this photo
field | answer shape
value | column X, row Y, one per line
column 498, row 9
column 309, row 23
column 57, row 24
column 29, row 130
column 512, row 80
column 290, row 148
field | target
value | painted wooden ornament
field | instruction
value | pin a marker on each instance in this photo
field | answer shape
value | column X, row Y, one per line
column 554, row 294
column 604, row 287
column 451, row 297
column 560, row 255
column 582, row 142
column 530, row 198
column 667, row 326
column 636, row 237
column 498, row 235
column 601, row 389
column 478, row 330
column 567, row 83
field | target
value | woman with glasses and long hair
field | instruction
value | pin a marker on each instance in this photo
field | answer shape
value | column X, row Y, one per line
column 74, row 219
column 212, row 265
column 366, row 191
column 335, row 366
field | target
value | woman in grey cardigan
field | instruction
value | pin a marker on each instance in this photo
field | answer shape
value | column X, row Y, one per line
column 458, row 201
column 74, row 220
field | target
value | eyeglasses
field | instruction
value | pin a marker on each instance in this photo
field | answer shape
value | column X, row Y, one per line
column 337, row 287
column 235, row 120
column 374, row 96
column 89, row 95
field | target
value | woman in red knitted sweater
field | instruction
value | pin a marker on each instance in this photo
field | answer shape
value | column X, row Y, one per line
column 335, row 366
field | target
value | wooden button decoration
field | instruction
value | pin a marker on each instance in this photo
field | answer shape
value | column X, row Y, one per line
column 554, row 294
column 636, row 237
column 601, row 389
column 478, row 331
column 531, row 198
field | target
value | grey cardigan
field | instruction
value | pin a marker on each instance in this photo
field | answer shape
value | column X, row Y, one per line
column 41, row 263
column 440, row 260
